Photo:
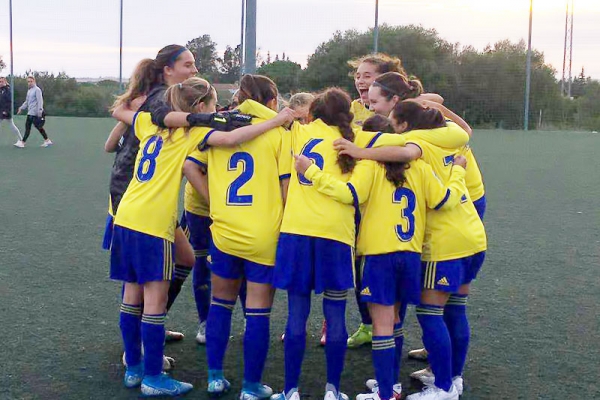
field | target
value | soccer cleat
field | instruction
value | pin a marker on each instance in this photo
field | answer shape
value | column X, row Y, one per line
column 283, row 336
column 20, row 144
column 424, row 375
column 255, row 391
column 164, row 385
column 418, row 354
column 201, row 335
column 168, row 362
column 218, row 387
column 435, row 393
column 458, row 383
column 373, row 386
column 134, row 376
column 323, row 340
column 292, row 395
column 46, row 143
column 172, row 336
column 332, row 394
column 363, row 335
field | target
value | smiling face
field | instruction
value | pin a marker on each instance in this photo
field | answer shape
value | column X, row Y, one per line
column 378, row 103
column 183, row 68
column 363, row 78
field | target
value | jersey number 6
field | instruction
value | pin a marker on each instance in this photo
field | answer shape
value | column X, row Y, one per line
column 315, row 157
column 233, row 199
column 147, row 165
column 406, row 235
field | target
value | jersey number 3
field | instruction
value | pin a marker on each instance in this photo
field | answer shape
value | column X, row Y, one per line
column 401, row 193
column 147, row 166
column 233, row 198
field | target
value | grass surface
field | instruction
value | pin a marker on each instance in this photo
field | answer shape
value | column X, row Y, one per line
column 533, row 311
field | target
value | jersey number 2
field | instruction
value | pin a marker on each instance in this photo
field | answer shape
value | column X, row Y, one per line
column 315, row 157
column 405, row 235
column 233, row 198
column 147, row 165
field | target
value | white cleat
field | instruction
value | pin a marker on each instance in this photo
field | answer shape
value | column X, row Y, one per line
column 373, row 386
column 47, row 143
column 201, row 335
column 418, row 354
column 457, row 381
column 20, row 144
column 424, row 375
column 435, row 393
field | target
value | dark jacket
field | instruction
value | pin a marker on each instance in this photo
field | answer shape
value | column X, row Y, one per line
column 5, row 102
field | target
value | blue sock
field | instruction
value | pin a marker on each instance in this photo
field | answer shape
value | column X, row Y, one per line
column 218, row 329
column 363, row 309
column 398, row 342
column 295, row 338
column 180, row 274
column 256, row 343
column 334, row 309
column 153, row 337
column 384, row 354
column 130, row 321
column 437, row 342
column 201, row 285
column 455, row 315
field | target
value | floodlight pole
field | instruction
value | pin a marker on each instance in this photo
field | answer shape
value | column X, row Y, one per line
column 528, row 80
column 376, row 29
column 12, row 64
column 242, row 39
column 121, row 49
column 250, row 46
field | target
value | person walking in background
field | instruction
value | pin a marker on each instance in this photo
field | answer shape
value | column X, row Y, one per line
column 6, row 107
column 34, row 103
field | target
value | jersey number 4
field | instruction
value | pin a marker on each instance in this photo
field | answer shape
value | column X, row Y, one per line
column 405, row 235
column 147, row 165
column 314, row 156
column 247, row 165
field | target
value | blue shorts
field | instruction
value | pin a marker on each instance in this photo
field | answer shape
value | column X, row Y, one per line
column 480, row 205
column 391, row 278
column 305, row 263
column 233, row 267
column 136, row 257
column 197, row 230
column 108, row 232
column 448, row 276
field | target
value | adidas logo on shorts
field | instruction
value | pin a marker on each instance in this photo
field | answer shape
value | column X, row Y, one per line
column 443, row 282
column 366, row 292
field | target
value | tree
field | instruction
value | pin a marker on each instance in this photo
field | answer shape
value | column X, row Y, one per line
column 205, row 53
column 286, row 74
column 231, row 64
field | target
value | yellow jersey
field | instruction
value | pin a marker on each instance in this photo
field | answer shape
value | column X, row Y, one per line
column 454, row 233
column 474, row 179
column 308, row 212
column 393, row 218
column 246, row 204
column 150, row 203
column 193, row 202
column 361, row 113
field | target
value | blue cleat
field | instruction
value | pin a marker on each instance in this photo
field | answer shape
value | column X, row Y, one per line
column 218, row 387
column 255, row 391
column 134, row 376
column 164, row 385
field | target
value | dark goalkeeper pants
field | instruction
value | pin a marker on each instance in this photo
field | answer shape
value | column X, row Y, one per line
column 37, row 122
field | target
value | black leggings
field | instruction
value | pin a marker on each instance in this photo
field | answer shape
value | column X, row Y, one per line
column 37, row 122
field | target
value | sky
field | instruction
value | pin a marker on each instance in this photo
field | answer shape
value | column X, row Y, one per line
column 81, row 38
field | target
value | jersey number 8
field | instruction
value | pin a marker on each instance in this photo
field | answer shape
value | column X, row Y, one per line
column 233, row 198
column 405, row 235
column 147, row 165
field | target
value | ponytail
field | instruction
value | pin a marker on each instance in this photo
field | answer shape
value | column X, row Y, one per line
column 395, row 84
column 333, row 108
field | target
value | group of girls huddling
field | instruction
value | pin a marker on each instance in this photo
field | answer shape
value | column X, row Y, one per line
column 381, row 194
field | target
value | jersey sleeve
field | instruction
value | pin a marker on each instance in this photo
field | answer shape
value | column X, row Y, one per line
column 142, row 125
column 199, row 157
column 284, row 158
column 356, row 190
column 387, row 139
column 440, row 196
column 451, row 137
